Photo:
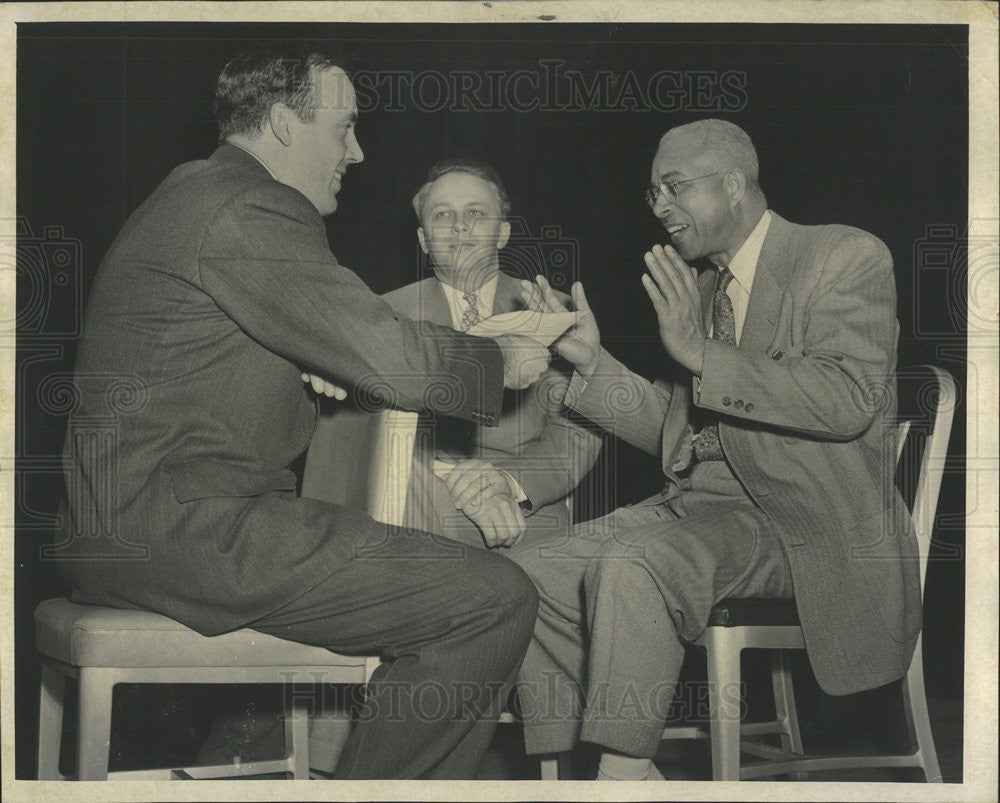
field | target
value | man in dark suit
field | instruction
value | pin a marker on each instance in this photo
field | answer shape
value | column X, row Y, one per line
column 776, row 439
column 492, row 486
column 217, row 295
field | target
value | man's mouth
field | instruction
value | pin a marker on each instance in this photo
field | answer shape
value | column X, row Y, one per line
column 676, row 229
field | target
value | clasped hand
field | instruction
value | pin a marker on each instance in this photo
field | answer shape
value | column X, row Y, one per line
column 324, row 387
column 485, row 495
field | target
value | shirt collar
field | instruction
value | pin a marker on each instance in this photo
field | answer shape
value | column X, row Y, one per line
column 743, row 265
column 255, row 156
column 484, row 296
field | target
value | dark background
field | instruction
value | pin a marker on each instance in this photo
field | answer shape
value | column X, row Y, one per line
column 861, row 125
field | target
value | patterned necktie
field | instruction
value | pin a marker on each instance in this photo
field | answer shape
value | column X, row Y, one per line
column 706, row 442
column 471, row 315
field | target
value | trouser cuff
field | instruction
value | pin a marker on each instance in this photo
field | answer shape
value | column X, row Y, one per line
column 632, row 738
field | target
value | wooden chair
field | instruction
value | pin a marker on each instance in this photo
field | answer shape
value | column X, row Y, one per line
column 738, row 624
column 101, row 647
column 926, row 413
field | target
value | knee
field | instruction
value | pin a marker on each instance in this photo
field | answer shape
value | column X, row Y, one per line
column 513, row 597
column 616, row 571
column 517, row 592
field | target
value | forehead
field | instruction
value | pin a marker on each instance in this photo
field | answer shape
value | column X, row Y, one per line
column 333, row 91
column 461, row 189
column 680, row 155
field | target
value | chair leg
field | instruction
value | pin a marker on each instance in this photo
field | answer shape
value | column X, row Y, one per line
column 96, row 688
column 784, row 705
column 555, row 766
column 724, row 698
column 918, row 719
column 297, row 737
column 50, row 723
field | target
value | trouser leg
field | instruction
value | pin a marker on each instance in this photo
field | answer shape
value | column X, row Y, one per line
column 451, row 623
column 553, row 672
column 653, row 588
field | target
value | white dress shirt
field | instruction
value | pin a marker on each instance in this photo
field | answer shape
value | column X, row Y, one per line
column 458, row 305
column 743, row 266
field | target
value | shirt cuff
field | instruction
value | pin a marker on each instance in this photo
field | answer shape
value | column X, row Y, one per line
column 519, row 494
column 576, row 387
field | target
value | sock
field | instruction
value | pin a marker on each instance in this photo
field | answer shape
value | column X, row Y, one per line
column 620, row 767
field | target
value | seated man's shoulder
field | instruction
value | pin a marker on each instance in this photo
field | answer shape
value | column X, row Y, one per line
column 835, row 246
column 407, row 299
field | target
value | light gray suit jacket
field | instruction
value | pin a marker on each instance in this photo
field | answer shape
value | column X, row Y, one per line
column 808, row 410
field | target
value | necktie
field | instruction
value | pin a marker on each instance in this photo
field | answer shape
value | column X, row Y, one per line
column 471, row 315
column 706, row 442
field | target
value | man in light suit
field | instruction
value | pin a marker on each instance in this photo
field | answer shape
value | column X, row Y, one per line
column 494, row 486
column 775, row 434
column 217, row 295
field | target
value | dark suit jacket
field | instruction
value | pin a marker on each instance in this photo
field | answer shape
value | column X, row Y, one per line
column 547, row 453
column 808, row 409
column 218, row 291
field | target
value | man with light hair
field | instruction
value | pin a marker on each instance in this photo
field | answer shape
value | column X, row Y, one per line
column 778, row 466
column 493, row 486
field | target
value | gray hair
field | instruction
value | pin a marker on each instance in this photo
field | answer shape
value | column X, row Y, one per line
column 726, row 140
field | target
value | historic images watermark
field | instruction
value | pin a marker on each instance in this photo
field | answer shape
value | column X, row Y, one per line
column 549, row 86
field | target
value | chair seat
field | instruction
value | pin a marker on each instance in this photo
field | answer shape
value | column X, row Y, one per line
column 754, row 612
column 91, row 635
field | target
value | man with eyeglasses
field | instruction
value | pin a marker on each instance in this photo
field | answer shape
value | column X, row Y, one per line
column 774, row 429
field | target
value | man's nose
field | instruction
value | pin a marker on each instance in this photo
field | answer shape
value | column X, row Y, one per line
column 354, row 152
column 662, row 206
column 459, row 226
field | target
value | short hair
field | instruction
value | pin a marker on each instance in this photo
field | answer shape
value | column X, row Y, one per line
column 280, row 72
column 727, row 140
column 473, row 167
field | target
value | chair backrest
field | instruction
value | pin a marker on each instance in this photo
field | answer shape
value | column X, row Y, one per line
column 362, row 459
column 927, row 400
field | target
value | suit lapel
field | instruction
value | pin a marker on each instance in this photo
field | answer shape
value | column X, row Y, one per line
column 769, row 282
column 434, row 304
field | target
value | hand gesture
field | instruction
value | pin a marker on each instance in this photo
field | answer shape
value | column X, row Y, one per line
column 581, row 344
column 323, row 387
column 673, row 289
column 524, row 360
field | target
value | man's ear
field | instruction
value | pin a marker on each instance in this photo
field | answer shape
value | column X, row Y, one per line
column 504, row 235
column 278, row 120
column 420, row 238
column 736, row 185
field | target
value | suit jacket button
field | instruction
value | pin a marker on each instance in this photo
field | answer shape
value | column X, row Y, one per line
column 748, row 407
column 726, row 401
column 778, row 355
column 738, row 404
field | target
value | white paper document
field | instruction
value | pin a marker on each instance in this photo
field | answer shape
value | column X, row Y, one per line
column 543, row 327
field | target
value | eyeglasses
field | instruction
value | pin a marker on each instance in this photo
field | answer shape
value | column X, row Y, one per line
column 668, row 188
